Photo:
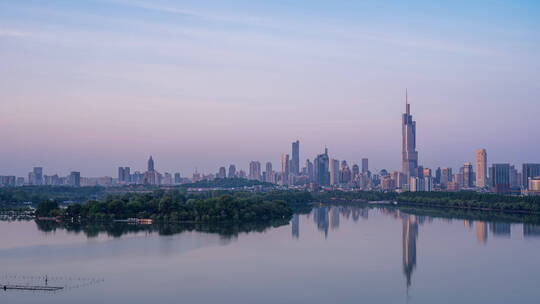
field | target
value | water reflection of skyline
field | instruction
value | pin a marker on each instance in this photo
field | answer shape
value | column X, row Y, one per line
column 328, row 219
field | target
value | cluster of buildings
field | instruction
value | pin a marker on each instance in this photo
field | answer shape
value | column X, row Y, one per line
column 325, row 172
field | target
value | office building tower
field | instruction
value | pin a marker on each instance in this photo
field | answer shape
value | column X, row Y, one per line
column 514, row 178
column 529, row 171
column 38, row 176
column 124, row 175
column 334, row 172
column 355, row 171
column 500, row 178
column 167, row 179
column 150, row 164
column 321, row 169
column 222, row 172
column 438, row 176
column 409, row 153
column 269, row 174
column 255, row 170
column 481, row 168
column 345, row 174
column 365, row 165
column 446, row 177
column 232, row 171
column 178, row 178
column 468, row 175
column 295, row 161
column 310, row 170
column 75, row 179
column 285, row 168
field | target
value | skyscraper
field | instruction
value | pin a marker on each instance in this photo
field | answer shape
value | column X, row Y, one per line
column 75, row 179
column 255, row 170
column 409, row 153
column 481, row 168
column 38, row 176
column 222, row 172
column 321, row 169
column 365, row 165
column 150, row 164
column 232, row 171
column 529, row 171
column 500, row 178
column 285, row 168
column 468, row 175
column 295, row 163
column 334, row 172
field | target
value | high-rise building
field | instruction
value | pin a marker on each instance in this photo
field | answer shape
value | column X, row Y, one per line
column 446, row 177
column 321, row 169
column 124, row 174
column 481, row 168
column 334, row 172
column 178, row 178
column 468, row 175
column 255, row 170
column 295, row 161
column 150, row 164
column 75, row 179
column 285, row 168
column 500, row 178
column 269, row 173
column 409, row 153
column 222, row 173
column 232, row 171
column 310, row 170
column 38, row 175
column 529, row 171
column 345, row 174
column 365, row 165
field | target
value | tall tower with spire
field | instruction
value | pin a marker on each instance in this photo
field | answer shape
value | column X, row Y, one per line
column 409, row 153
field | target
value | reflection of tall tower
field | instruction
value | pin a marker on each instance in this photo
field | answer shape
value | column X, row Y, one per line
column 334, row 217
column 410, row 234
column 295, row 224
column 481, row 232
column 409, row 153
column 320, row 216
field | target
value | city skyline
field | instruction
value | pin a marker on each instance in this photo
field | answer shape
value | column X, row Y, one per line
column 97, row 83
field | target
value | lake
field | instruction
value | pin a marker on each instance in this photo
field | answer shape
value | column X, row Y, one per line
column 334, row 254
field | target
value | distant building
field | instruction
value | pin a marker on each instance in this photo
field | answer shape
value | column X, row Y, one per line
column 365, row 165
column 321, row 169
column 409, row 153
column 124, row 175
column 446, row 177
column 232, row 171
column 529, row 171
column 295, row 161
column 481, row 168
column 75, row 179
column 285, row 168
column 37, row 176
column 178, row 177
column 255, row 170
column 500, row 178
column 334, row 172
column 468, row 176
column 222, row 172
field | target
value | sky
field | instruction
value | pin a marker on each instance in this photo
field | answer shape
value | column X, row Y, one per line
column 92, row 85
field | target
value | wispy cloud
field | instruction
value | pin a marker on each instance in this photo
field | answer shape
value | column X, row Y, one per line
column 209, row 16
column 13, row 33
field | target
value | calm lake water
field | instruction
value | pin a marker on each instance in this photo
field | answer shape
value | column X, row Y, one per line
column 335, row 254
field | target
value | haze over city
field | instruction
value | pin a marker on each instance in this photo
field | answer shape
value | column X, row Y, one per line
column 90, row 86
